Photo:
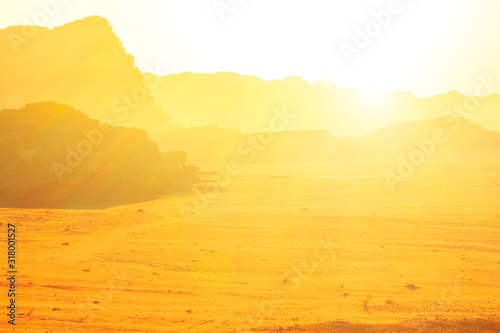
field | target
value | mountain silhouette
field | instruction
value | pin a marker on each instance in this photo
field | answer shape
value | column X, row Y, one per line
column 451, row 137
column 82, row 64
column 55, row 156
column 245, row 103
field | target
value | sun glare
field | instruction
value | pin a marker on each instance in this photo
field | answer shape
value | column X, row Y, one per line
column 373, row 96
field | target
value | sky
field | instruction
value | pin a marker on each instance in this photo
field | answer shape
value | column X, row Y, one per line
column 427, row 47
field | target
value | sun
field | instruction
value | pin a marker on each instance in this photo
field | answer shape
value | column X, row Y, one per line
column 373, row 96
column 372, row 105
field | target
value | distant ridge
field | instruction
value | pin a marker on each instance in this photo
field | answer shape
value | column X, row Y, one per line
column 451, row 136
column 245, row 103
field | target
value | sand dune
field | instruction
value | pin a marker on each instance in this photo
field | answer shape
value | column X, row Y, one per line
column 426, row 257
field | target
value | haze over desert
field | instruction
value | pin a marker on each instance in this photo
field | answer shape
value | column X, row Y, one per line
column 241, row 166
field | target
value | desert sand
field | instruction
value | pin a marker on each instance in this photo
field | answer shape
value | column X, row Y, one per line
column 424, row 258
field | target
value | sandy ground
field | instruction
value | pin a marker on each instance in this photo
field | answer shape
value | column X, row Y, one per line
column 323, row 248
